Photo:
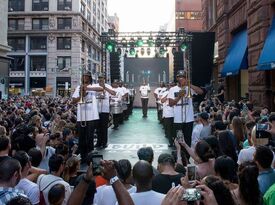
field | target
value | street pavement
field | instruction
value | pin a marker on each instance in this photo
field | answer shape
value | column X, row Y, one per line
column 135, row 133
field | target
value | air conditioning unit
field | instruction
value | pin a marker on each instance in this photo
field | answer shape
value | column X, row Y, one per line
column 67, row 46
column 67, row 8
column 43, row 46
column 46, row 8
column 67, row 27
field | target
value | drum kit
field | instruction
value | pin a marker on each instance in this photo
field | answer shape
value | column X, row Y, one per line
column 116, row 106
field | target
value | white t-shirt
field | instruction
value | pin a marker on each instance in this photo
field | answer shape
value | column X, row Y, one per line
column 89, row 110
column 46, row 182
column 196, row 134
column 109, row 197
column 30, row 189
column 183, row 113
column 147, row 198
column 44, row 164
column 167, row 110
column 144, row 91
column 104, row 104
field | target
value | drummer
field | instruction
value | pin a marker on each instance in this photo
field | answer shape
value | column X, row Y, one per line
column 125, row 94
column 117, row 98
column 104, row 110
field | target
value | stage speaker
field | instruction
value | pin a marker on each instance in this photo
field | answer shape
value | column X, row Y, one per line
column 178, row 62
column 115, row 66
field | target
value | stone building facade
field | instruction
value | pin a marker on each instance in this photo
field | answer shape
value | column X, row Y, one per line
column 52, row 41
column 225, row 18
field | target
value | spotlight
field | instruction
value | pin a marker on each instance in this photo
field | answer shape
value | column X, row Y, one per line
column 139, row 42
column 150, row 42
column 110, row 46
column 161, row 50
column 124, row 42
column 183, row 47
column 148, row 51
column 132, row 51
column 167, row 41
column 158, row 42
column 142, row 51
column 132, row 42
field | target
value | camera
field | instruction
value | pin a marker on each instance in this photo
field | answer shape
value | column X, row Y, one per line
column 96, row 159
column 191, row 195
column 262, row 130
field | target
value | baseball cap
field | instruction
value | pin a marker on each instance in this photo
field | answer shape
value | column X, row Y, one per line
column 101, row 75
column 181, row 73
column 204, row 115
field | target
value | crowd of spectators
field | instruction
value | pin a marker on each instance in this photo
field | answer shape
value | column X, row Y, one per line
column 232, row 152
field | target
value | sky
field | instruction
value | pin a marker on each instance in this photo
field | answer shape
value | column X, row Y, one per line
column 141, row 15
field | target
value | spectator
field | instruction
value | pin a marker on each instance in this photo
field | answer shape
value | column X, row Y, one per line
column 143, row 175
column 168, row 177
column 227, row 144
column 204, row 156
column 225, row 168
column 30, row 189
column 46, row 182
column 147, row 154
column 206, row 129
column 221, row 192
column 70, row 171
column 36, row 156
column 5, row 147
column 19, row 200
column 56, row 194
column 248, row 126
column 269, row 196
column 263, row 157
column 124, row 172
column 214, row 144
column 238, row 131
column 10, row 173
column 196, row 131
column 248, row 192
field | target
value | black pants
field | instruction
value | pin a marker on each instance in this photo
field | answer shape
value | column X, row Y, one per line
column 144, row 103
column 86, row 138
column 102, row 137
column 187, row 129
column 169, row 129
column 116, row 119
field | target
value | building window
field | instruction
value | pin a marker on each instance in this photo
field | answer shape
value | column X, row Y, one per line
column 94, row 7
column 17, row 63
column 38, row 63
column 98, row 28
column 38, row 43
column 40, row 24
column 17, row 43
column 64, row 23
column 102, row 19
column 90, row 51
column 90, row 65
column 63, row 62
column 212, row 12
column 98, row 14
column 94, row 21
column 89, row 3
column 64, row 43
column 89, row 16
column 83, row 46
column 16, row 24
column 82, row 9
column 188, row 15
column 40, row 5
column 16, row 5
column 64, row 5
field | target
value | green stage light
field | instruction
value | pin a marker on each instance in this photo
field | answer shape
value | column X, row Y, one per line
column 132, row 51
column 139, row 42
column 161, row 50
column 183, row 47
column 110, row 46
column 150, row 42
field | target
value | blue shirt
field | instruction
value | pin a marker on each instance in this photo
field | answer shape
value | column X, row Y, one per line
column 6, row 194
column 266, row 179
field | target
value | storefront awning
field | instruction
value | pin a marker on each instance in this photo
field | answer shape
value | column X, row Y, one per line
column 236, row 58
column 267, row 58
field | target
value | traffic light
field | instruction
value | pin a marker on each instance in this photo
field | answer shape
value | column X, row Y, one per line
column 178, row 62
column 115, row 66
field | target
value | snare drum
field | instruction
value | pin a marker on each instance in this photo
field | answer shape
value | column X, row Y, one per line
column 116, row 107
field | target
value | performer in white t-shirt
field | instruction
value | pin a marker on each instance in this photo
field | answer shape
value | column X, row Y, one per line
column 103, row 99
column 87, row 114
column 158, row 95
column 183, row 105
column 144, row 94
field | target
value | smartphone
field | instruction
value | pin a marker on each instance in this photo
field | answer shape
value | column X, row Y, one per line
column 191, row 170
column 191, row 195
column 262, row 127
column 96, row 159
column 261, row 130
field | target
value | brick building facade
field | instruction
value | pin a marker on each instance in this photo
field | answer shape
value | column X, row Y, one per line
column 226, row 18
